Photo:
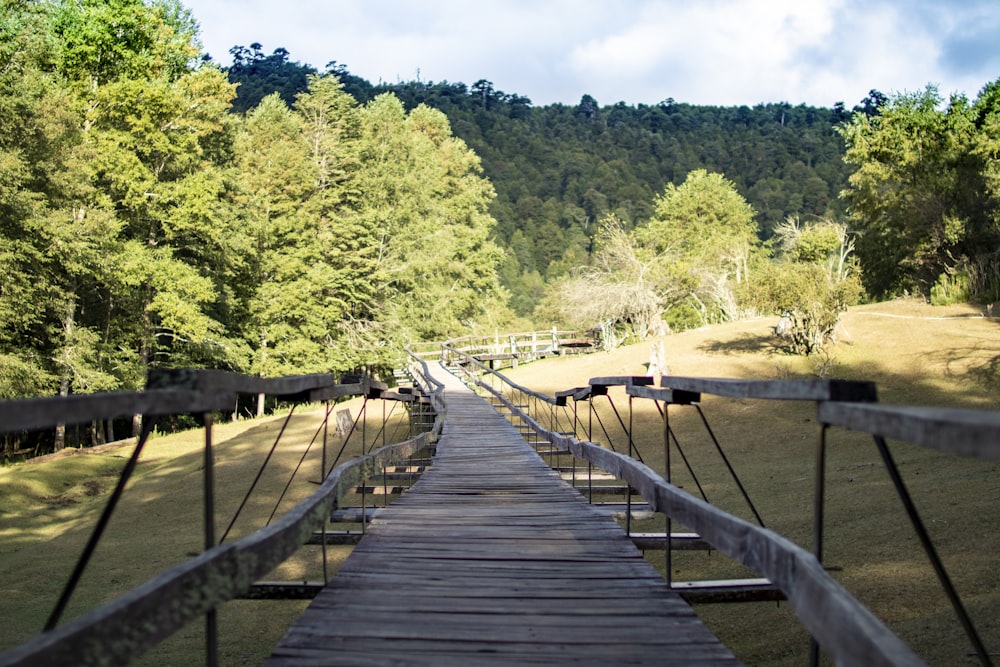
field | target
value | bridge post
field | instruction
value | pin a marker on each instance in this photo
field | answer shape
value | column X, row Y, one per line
column 208, row 479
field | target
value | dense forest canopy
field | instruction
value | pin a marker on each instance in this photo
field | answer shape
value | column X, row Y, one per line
column 143, row 224
column 559, row 169
column 157, row 209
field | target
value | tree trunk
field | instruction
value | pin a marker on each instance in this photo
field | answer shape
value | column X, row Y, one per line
column 60, row 438
column 263, row 359
column 65, row 372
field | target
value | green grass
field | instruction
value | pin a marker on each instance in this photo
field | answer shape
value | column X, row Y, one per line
column 916, row 358
column 47, row 509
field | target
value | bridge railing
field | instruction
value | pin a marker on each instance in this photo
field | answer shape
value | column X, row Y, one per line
column 837, row 622
column 509, row 349
column 126, row 627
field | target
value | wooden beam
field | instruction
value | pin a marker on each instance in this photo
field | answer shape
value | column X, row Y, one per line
column 974, row 433
column 672, row 396
column 789, row 390
column 39, row 413
column 283, row 590
column 621, row 381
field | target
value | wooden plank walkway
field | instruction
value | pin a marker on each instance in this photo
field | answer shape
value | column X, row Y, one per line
column 492, row 559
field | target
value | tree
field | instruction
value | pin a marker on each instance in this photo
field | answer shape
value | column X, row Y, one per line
column 428, row 202
column 258, row 75
column 275, row 179
column 810, row 283
column 917, row 195
column 708, row 235
column 624, row 288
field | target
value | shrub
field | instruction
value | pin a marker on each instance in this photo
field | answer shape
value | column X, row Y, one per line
column 950, row 288
column 809, row 300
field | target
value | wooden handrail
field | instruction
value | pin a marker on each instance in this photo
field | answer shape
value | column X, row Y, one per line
column 126, row 627
column 469, row 359
column 138, row 620
column 172, row 392
column 841, row 625
column 958, row 431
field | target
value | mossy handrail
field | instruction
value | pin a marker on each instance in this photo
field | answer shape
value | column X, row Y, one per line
column 124, row 628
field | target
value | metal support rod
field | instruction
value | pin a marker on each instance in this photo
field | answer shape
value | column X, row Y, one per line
column 260, row 472
column 820, row 491
column 666, row 476
column 363, row 416
column 628, row 487
column 102, row 524
column 818, row 503
column 385, row 482
column 322, row 478
column 590, row 465
column 208, row 478
column 732, row 471
column 614, row 409
column 925, row 541
column 575, row 431
column 326, row 423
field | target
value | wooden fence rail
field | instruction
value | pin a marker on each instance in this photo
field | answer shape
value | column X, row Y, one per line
column 126, row 627
column 839, row 624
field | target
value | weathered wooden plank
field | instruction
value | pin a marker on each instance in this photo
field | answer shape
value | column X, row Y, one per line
column 972, row 433
column 672, row 396
column 125, row 627
column 621, row 381
column 790, row 390
column 43, row 413
column 490, row 551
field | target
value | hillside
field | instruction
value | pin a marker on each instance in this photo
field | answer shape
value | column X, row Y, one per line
column 917, row 354
column 559, row 169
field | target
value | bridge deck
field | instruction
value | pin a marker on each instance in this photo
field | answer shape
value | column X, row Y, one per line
column 491, row 558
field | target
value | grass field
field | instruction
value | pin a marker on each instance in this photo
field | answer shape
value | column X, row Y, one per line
column 916, row 354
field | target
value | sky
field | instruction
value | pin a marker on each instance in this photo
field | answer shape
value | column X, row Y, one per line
column 703, row 52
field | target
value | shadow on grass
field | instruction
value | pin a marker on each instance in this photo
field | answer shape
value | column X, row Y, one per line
column 744, row 344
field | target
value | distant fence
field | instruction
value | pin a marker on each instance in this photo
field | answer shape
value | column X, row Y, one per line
column 838, row 623
column 502, row 350
column 123, row 629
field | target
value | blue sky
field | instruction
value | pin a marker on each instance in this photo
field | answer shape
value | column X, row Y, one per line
column 718, row 52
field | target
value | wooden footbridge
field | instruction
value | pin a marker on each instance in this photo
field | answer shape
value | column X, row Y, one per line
column 490, row 557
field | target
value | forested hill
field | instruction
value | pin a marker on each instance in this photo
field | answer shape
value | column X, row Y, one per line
column 559, row 169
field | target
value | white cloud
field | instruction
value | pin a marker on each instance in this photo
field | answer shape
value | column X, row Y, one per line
column 707, row 52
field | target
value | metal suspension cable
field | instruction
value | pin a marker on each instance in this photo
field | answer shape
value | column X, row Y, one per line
column 687, row 464
column 260, row 472
column 732, row 471
column 102, row 523
column 295, row 471
column 597, row 414
column 627, row 430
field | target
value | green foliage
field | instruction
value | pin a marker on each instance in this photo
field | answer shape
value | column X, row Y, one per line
column 923, row 193
column 809, row 300
column 950, row 289
column 143, row 224
column 258, row 76
column 559, row 170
